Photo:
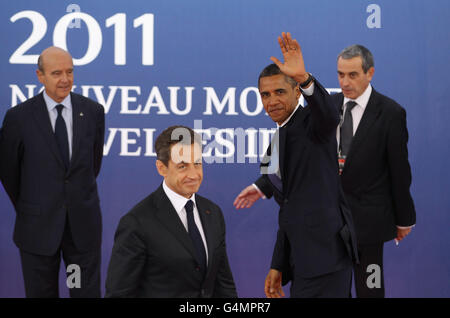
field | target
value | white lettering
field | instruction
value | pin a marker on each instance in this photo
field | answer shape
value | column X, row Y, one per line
column 374, row 20
column 212, row 99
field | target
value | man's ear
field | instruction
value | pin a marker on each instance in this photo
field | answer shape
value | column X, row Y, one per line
column 161, row 167
column 39, row 76
column 370, row 72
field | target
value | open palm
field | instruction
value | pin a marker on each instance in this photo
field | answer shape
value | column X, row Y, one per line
column 293, row 65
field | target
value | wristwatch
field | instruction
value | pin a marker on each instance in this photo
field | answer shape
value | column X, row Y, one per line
column 306, row 83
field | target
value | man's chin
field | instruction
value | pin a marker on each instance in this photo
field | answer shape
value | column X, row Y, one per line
column 275, row 119
column 191, row 189
column 63, row 95
column 348, row 94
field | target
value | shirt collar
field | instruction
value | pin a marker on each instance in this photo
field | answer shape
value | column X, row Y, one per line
column 51, row 104
column 178, row 201
column 363, row 99
column 287, row 120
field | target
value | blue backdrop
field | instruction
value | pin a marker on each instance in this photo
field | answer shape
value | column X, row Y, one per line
column 158, row 63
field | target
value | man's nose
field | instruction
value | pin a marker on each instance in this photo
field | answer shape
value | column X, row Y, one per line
column 272, row 100
column 345, row 81
column 64, row 77
column 192, row 172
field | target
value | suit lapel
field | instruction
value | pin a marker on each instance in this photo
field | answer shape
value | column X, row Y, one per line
column 284, row 131
column 170, row 219
column 370, row 115
column 78, row 121
column 281, row 151
column 42, row 118
column 209, row 230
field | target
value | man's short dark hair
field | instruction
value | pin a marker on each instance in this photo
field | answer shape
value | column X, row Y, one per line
column 273, row 69
column 171, row 136
column 358, row 50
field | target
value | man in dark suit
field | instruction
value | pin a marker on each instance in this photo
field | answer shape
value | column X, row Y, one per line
column 315, row 242
column 172, row 243
column 51, row 151
column 375, row 171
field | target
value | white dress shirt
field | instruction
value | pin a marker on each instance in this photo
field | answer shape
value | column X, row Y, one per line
column 178, row 202
column 357, row 111
column 66, row 114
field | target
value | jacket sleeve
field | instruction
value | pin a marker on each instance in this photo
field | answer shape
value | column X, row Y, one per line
column 281, row 257
column 324, row 113
column 99, row 139
column 264, row 186
column 11, row 153
column 127, row 260
column 224, row 285
column 400, row 170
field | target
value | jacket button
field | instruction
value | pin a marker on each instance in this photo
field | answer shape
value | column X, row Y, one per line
column 66, row 181
column 286, row 200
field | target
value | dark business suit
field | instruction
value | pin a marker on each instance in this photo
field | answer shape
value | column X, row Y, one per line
column 54, row 206
column 376, row 180
column 315, row 234
column 153, row 254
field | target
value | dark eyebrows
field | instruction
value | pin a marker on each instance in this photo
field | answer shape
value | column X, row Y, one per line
column 186, row 163
column 60, row 71
column 278, row 90
column 351, row 73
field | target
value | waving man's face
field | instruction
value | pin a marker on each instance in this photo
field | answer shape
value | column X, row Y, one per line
column 278, row 96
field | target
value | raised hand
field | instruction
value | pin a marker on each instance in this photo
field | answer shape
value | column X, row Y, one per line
column 293, row 65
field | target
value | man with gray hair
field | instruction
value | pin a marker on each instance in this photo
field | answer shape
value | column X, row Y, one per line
column 51, row 152
column 373, row 164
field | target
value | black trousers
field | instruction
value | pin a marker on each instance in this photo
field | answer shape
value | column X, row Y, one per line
column 332, row 285
column 41, row 272
column 369, row 276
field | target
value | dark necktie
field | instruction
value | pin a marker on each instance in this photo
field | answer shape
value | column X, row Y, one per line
column 61, row 136
column 194, row 233
column 347, row 129
column 275, row 178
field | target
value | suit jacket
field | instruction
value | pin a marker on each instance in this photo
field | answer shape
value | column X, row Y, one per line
column 153, row 255
column 43, row 193
column 316, row 233
column 377, row 175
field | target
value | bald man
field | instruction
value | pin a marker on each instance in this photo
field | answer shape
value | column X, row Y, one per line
column 51, row 150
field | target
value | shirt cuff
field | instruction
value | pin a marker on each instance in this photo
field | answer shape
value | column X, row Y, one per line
column 308, row 91
column 259, row 191
column 405, row 227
